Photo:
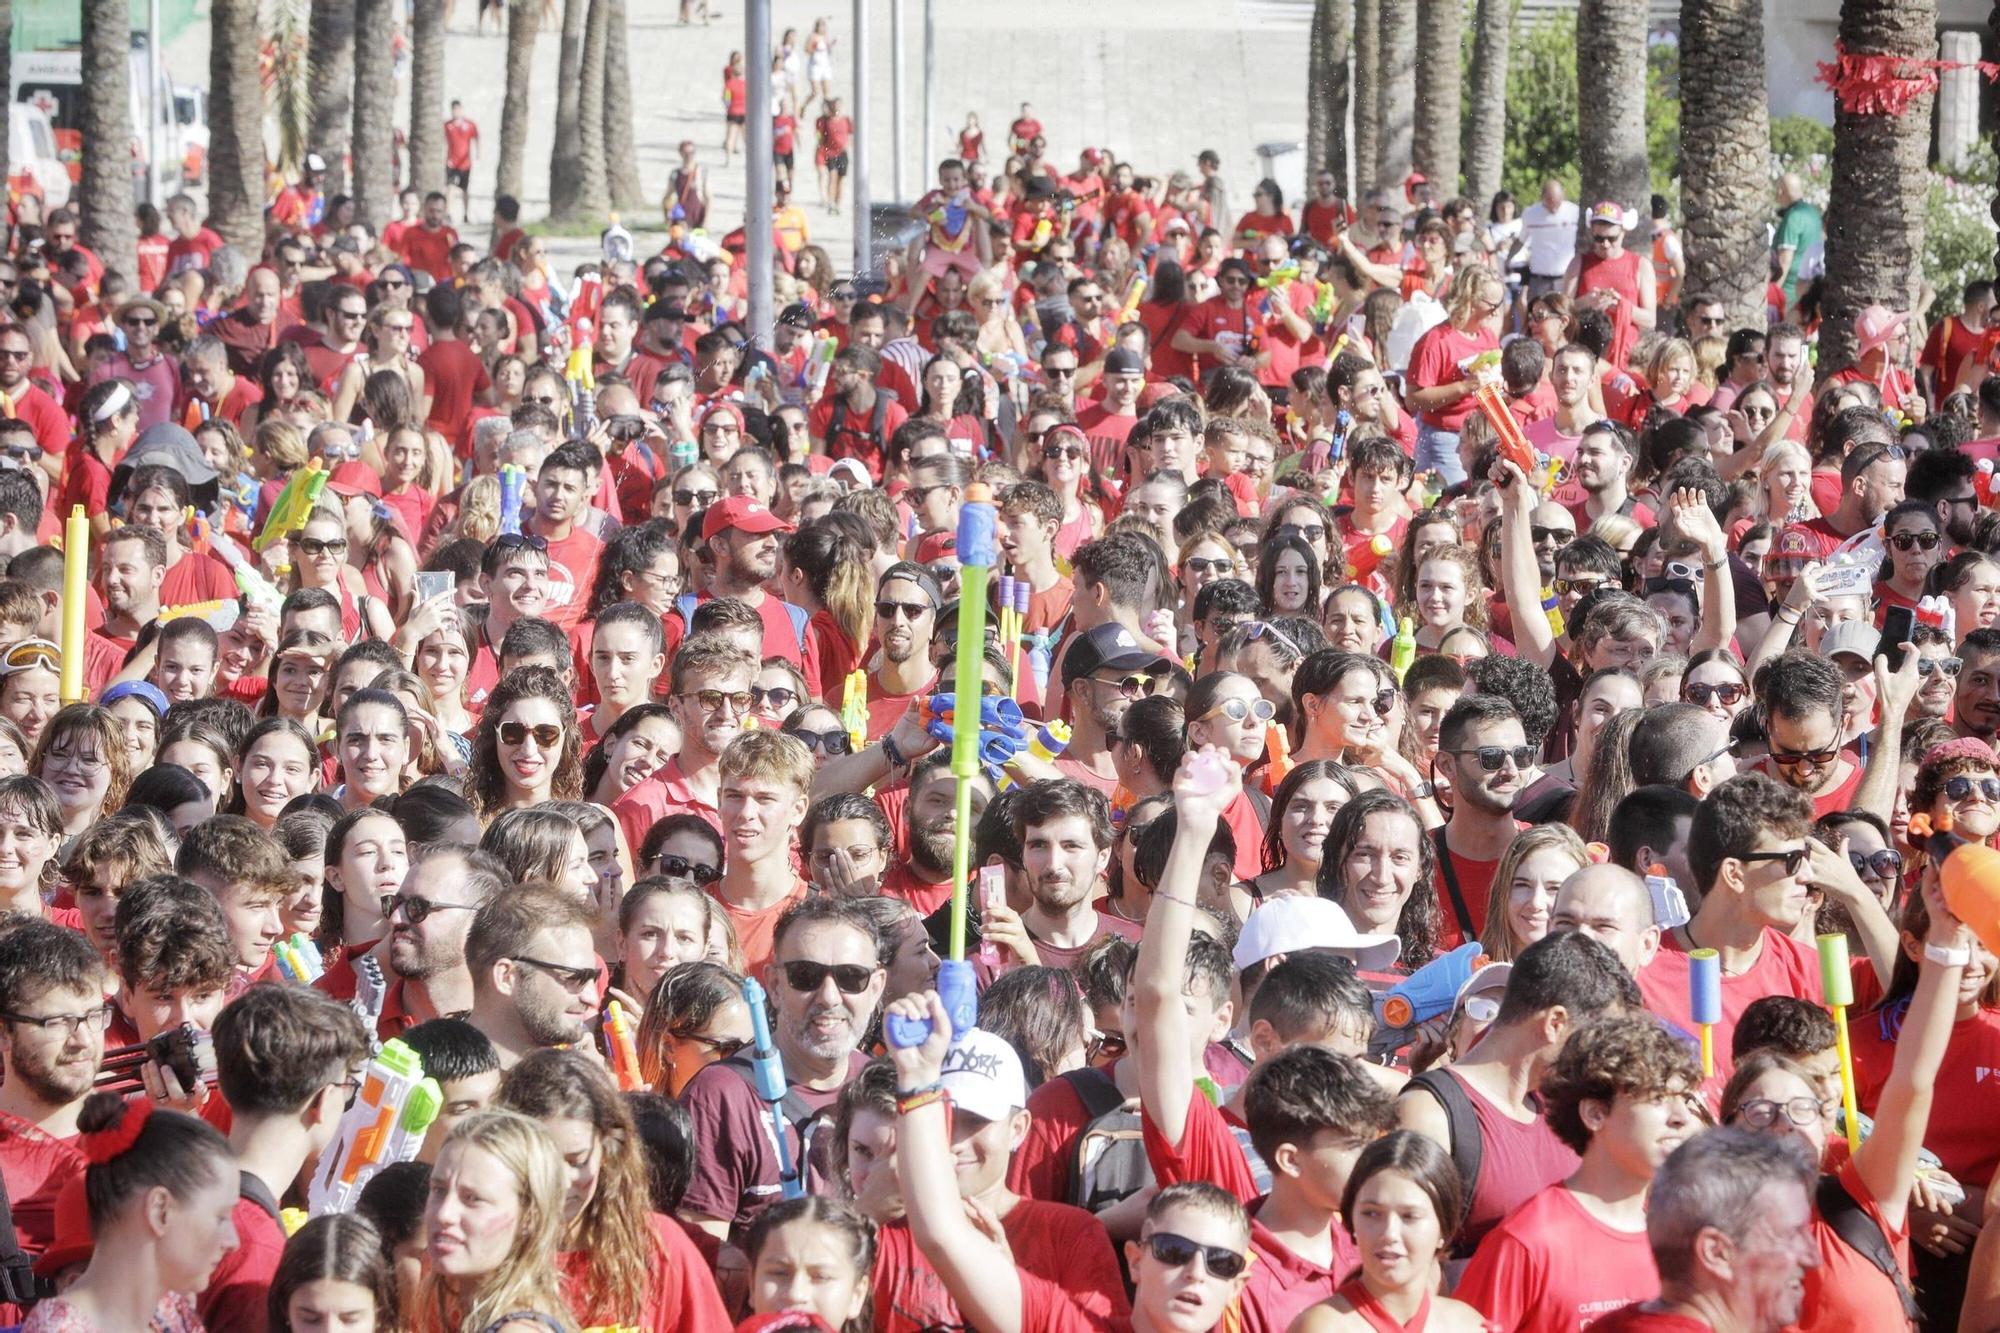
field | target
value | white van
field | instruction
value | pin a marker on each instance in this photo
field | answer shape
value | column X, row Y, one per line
column 34, row 165
column 52, row 80
column 191, row 114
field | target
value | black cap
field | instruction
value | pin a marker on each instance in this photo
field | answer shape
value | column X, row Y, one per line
column 1124, row 361
column 1111, row 647
column 798, row 315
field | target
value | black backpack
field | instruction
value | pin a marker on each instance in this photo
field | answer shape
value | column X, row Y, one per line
column 1851, row 1222
column 18, row 1283
column 877, row 418
column 1108, row 1162
column 1467, row 1145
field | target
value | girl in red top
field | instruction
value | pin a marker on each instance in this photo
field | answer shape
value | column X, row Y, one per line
column 1442, row 381
column 971, row 139
column 1267, row 217
column 1915, row 548
column 110, row 419
column 1065, row 469
column 1672, row 385
column 735, row 105
column 826, row 572
column 834, row 131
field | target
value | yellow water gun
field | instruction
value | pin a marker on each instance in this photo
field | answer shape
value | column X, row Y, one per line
column 854, row 708
column 294, row 504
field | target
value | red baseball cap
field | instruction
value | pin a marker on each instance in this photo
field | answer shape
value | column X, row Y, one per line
column 933, row 545
column 354, row 478
column 722, row 407
column 742, row 512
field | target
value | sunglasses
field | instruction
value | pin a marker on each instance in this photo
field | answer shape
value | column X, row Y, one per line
column 1242, row 710
column 696, row 499
column 1948, row 666
column 910, row 611
column 1564, row 587
column 319, row 546
column 134, row 322
column 723, row 1047
column 514, row 541
column 1493, row 757
column 1559, row 536
column 547, row 734
column 571, row 979
column 1059, row 372
column 835, row 743
column 711, row 700
column 1730, row 695
column 1885, row 865
column 679, row 867
column 1055, row 451
column 1959, row 788
column 1794, row 759
column 417, row 910
column 1178, row 1252
column 807, row 977
column 777, row 697
column 1260, row 629
column 1107, row 1045
column 1793, row 858
column 1921, row 541
column 1215, row 565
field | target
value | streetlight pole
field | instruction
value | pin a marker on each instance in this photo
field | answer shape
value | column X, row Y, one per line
column 864, row 258
column 929, row 148
column 758, row 167
column 153, row 102
column 896, row 96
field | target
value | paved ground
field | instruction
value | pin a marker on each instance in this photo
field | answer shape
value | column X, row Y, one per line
column 1154, row 80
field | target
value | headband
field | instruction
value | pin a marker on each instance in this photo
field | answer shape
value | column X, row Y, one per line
column 1965, row 747
column 114, row 403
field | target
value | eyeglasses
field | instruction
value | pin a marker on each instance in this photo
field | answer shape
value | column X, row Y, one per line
column 1178, row 1252
column 806, row 977
column 1729, row 695
column 1241, row 710
column 1948, row 666
column 835, row 742
column 548, row 735
column 514, row 541
column 319, row 546
column 1922, row 541
column 1215, row 565
column 723, row 1047
column 1959, row 788
column 679, row 867
column 1564, row 587
column 93, row 1020
column 696, row 499
column 712, row 700
column 1763, row 1112
column 69, row 757
column 1052, row 452
column 417, row 909
column 571, row 979
column 1493, row 757
column 1884, row 865
column 910, row 611
column 1799, row 758
column 1792, row 857
column 1559, row 536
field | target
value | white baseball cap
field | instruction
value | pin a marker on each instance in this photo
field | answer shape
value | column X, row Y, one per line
column 982, row 1073
column 1295, row 924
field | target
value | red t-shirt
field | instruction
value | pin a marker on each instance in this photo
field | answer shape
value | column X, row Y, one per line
column 1847, row 1293
column 680, row 1291
column 1054, row 1241
column 1440, row 358
column 51, row 424
column 184, row 252
column 35, row 1167
column 1519, row 1159
column 754, row 929
column 1633, row 1319
column 849, row 434
column 1324, row 222
column 460, row 133
column 455, row 374
column 1783, row 967
column 1284, row 1284
column 665, row 792
column 196, row 578
column 1106, row 432
column 238, row 1291
column 572, row 571
column 1837, row 797
column 1960, row 1131
column 901, row 882
column 1238, row 330
column 1207, row 1151
column 1107, row 924
column 428, row 250
column 1553, row 1267
column 1043, row 1167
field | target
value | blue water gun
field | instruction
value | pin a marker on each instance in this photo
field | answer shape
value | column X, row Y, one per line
column 768, row 1075
column 513, row 481
column 1427, row 992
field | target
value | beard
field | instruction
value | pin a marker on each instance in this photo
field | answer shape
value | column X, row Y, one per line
column 932, row 842
column 1059, row 895
column 545, row 1021
column 54, row 1083
column 833, row 1043
column 410, row 959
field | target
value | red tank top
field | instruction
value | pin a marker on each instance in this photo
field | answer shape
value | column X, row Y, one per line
column 1516, row 1162
column 1356, row 1294
column 1621, row 275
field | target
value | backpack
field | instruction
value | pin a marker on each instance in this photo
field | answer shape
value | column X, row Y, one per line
column 687, row 602
column 1851, row 1222
column 1108, row 1162
column 18, row 1283
column 878, row 416
column 1467, row 1146
column 810, row 1153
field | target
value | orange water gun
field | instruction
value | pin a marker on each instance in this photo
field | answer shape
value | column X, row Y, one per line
column 1278, row 747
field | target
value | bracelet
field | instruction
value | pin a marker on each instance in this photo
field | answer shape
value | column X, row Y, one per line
column 1779, row 614
column 1944, row 957
column 1184, row 902
column 892, row 754
column 922, row 1097
column 1715, row 564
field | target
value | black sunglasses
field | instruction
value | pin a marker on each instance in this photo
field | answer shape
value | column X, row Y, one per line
column 1493, row 757
column 679, row 867
column 514, row 541
column 1958, row 788
column 911, row 611
column 807, row 977
column 1793, row 858
column 569, row 978
column 1560, row 536
column 416, row 909
column 696, row 499
column 1886, row 865
column 1922, row 541
column 1178, row 1251
column 779, row 696
column 1215, row 565
column 835, row 743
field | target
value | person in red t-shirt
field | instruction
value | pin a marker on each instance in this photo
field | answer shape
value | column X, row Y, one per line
column 452, row 370
column 856, row 418
column 1226, row 329
column 1484, row 752
column 461, row 149
column 429, row 246
column 1442, row 383
column 192, row 243
column 834, row 131
column 46, row 971
column 562, row 494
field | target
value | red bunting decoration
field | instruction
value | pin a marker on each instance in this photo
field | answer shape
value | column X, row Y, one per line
column 1885, row 85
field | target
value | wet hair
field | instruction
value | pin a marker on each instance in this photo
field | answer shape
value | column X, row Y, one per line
column 339, row 1247
column 1570, row 969
column 279, row 1047
column 1796, row 1029
column 452, row 1049
column 1307, row 1090
column 683, row 1001
column 1305, row 996
column 1037, row 1011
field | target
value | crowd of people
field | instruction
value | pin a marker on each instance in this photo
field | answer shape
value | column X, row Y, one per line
column 537, row 670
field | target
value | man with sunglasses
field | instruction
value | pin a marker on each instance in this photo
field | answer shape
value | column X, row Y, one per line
column 423, row 955
column 1484, row 754
column 1356, row 387
column 907, row 599
column 332, row 344
column 535, row 972
column 155, row 376
column 1103, row 671
column 1943, row 479
column 1226, row 329
column 1799, row 699
column 52, row 1020
column 1613, row 279
column 825, row 981
column 1745, row 358
column 288, row 1062
column 708, row 692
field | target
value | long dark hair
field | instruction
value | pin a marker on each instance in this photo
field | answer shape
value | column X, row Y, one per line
column 1417, row 924
column 488, row 789
column 1267, row 574
column 1428, row 1166
column 1310, row 771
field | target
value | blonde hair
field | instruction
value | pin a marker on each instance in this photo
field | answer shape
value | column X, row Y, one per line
column 1618, row 531
column 479, row 510
column 280, row 441
column 526, row 1279
column 1467, row 286
column 1498, row 938
column 770, row 755
column 1710, row 351
column 1665, row 354
column 1776, row 455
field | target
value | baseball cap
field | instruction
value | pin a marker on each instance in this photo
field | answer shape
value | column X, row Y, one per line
column 1486, row 985
column 852, row 468
column 1293, row 925
column 354, row 478
column 797, row 315
column 314, row 162
column 933, row 546
column 1124, row 361
column 1606, row 210
column 742, row 512
column 143, row 690
column 1857, row 638
column 982, row 1072
column 1109, row 647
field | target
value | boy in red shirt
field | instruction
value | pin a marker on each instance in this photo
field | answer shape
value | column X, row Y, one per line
column 461, row 145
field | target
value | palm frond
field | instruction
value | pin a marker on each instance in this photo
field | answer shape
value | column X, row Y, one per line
column 288, row 81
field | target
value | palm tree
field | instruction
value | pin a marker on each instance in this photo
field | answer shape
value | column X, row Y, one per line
column 565, row 163
column 1327, row 81
column 621, row 149
column 1611, row 129
column 1725, row 151
column 1396, row 94
column 108, row 226
column 235, row 126
column 285, row 59
column 374, row 112
column 1874, row 217
column 330, row 44
column 593, row 190
column 427, row 96
column 1439, row 25
column 522, row 18
column 1486, row 128
column 6, row 62
column 1367, row 92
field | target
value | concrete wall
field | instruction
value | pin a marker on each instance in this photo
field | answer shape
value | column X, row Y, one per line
column 1799, row 34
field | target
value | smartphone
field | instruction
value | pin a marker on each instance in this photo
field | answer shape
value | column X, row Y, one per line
column 435, row 583
column 1899, row 625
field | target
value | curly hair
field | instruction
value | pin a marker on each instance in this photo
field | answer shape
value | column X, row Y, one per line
column 1466, row 559
column 1417, row 924
column 487, row 790
column 1628, row 1055
column 77, row 721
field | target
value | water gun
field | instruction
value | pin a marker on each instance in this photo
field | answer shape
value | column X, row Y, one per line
column 385, row 1124
column 1281, row 276
column 584, row 305
column 1044, row 229
column 854, row 708
column 767, row 1068
column 580, row 372
column 1838, row 984
column 1705, row 1002
column 1514, row 446
column 513, row 481
column 1942, row 1183
column 624, row 1055
column 299, row 959
column 820, row 364
column 1403, row 648
column 1133, row 295
column 1325, row 301
column 220, row 613
column 1552, row 608
column 1278, row 747
column 294, row 504
column 1364, row 558
column 1429, row 991
column 250, row 580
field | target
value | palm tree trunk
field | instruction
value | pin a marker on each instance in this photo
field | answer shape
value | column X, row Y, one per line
column 1327, row 91
column 621, row 148
column 6, row 62
column 1611, row 130
column 427, row 96
column 108, row 226
column 593, row 191
column 374, row 111
column 522, row 18
column 1725, row 149
column 1367, row 93
column 1397, row 94
column 565, row 164
column 1486, row 129
column 235, row 127
column 331, row 46
column 1440, row 24
column 1875, row 216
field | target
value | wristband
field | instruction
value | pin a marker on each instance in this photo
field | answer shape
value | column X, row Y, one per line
column 916, row 1101
column 1943, row 957
column 892, row 754
column 1715, row 564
